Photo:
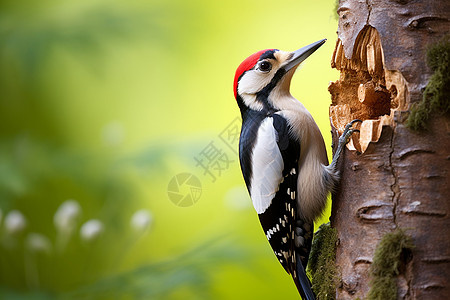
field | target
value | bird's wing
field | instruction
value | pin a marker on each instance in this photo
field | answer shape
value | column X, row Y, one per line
column 273, row 190
column 267, row 167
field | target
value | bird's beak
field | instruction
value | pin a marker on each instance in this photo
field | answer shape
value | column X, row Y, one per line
column 302, row 54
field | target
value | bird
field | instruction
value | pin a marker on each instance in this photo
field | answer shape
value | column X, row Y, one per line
column 283, row 156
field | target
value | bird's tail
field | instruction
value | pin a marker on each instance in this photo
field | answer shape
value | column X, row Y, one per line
column 303, row 284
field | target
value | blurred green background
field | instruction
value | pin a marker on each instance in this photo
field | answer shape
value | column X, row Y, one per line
column 102, row 104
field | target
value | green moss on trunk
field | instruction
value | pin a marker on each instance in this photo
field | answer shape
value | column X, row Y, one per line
column 436, row 96
column 388, row 258
column 322, row 266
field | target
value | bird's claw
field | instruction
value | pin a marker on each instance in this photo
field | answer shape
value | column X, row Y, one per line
column 349, row 125
column 348, row 131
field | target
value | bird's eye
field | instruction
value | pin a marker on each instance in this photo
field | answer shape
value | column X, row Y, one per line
column 265, row 66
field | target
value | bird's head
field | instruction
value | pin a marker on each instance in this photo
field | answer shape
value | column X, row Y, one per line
column 267, row 73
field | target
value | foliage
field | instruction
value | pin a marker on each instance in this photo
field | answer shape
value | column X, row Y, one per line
column 321, row 265
column 35, row 179
column 388, row 259
column 189, row 272
column 436, row 96
column 83, row 34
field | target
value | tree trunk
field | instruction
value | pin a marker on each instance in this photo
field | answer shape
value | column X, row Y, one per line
column 393, row 177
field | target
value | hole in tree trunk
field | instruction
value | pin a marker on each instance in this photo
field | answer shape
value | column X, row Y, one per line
column 366, row 90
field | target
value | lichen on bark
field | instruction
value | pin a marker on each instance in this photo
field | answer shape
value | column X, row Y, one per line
column 436, row 96
column 392, row 253
column 321, row 263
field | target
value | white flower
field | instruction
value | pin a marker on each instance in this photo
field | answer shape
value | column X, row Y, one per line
column 37, row 242
column 141, row 220
column 91, row 230
column 66, row 216
column 15, row 222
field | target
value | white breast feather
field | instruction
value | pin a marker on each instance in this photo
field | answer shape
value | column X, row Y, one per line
column 268, row 167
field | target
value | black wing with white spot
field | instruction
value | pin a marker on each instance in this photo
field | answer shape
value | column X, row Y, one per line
column 273, row 189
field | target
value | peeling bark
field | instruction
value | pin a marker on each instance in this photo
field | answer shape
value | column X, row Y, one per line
column 392, row 177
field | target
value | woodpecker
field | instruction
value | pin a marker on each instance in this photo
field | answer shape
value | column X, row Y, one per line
column 283, row 156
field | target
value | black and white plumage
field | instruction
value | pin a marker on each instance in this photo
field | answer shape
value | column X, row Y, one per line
column 283, row 157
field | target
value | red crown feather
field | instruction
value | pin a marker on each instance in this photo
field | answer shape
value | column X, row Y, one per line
column 246, row 65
